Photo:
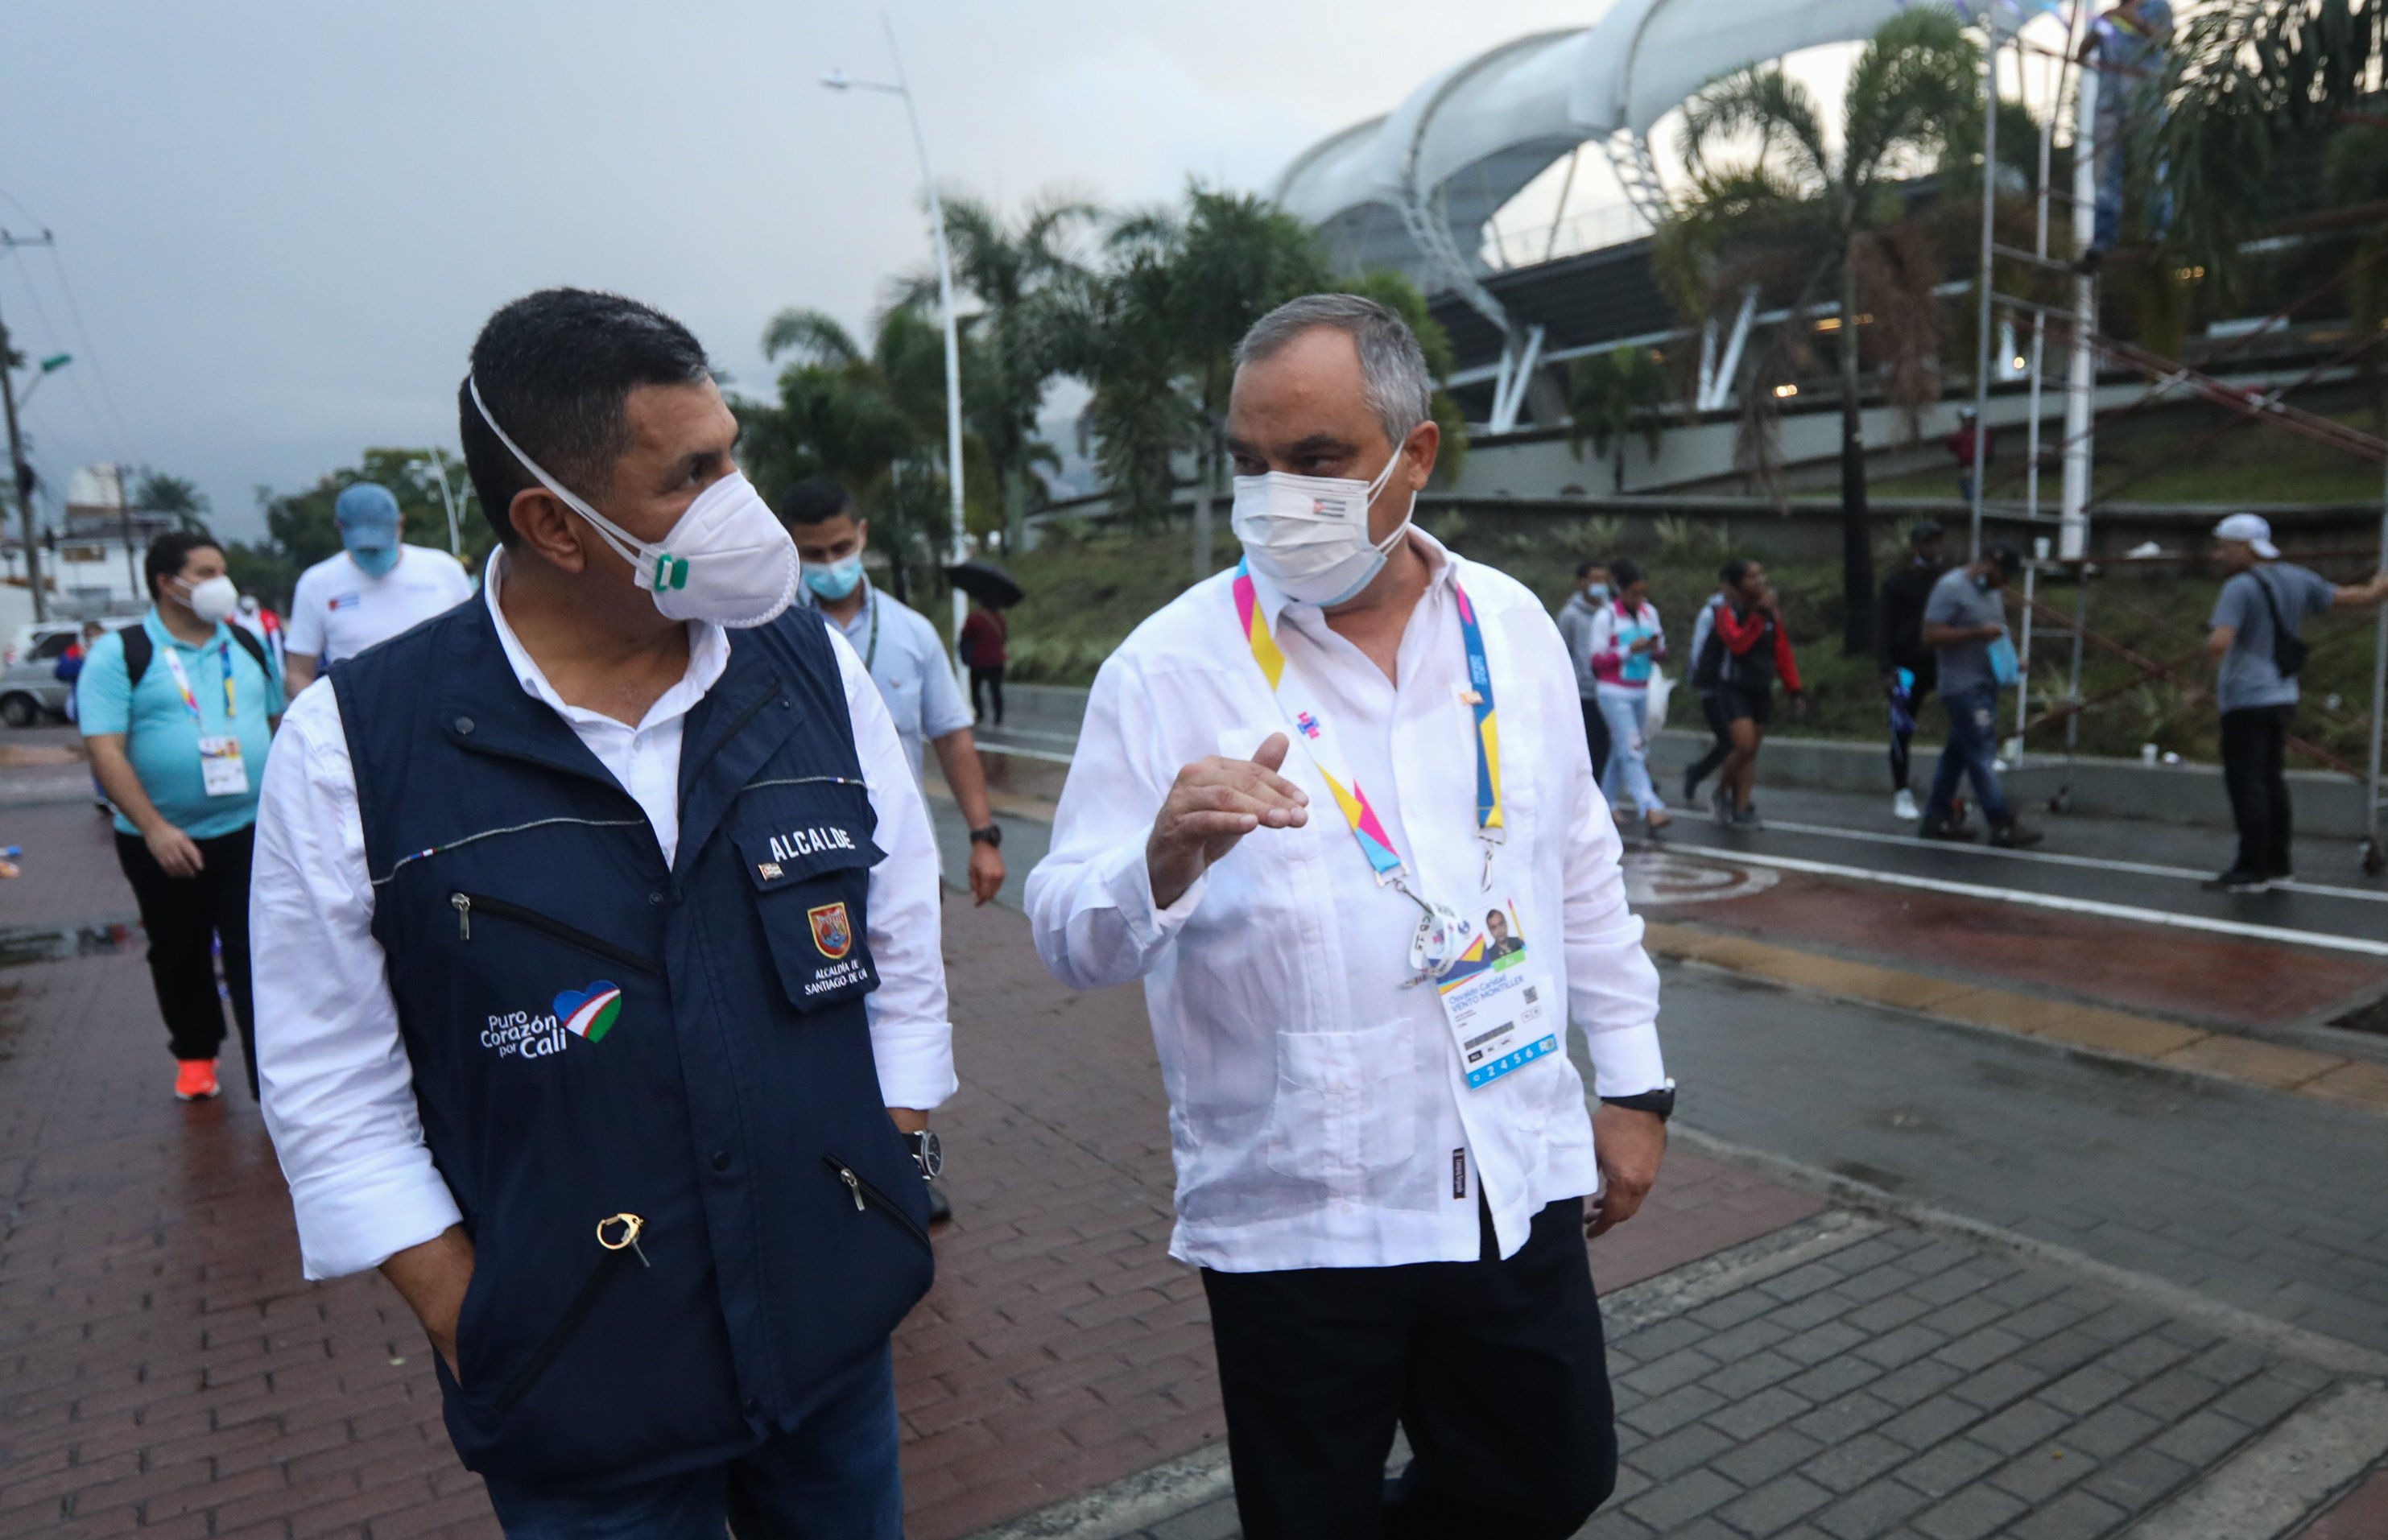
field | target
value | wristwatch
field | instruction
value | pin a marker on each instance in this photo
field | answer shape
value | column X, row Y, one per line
column 928, row 1154
column 1661, row 1102
column 990, row 835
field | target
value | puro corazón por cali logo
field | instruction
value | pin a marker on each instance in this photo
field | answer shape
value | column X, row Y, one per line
column 587, row 1013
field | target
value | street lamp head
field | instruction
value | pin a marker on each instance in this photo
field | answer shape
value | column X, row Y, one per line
column 837, row 80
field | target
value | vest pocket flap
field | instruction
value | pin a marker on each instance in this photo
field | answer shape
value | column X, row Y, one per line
column 784, row 855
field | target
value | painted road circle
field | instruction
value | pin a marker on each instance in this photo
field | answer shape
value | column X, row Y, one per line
column 1655, row 878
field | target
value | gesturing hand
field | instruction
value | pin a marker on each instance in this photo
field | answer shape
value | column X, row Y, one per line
column 1212, row 804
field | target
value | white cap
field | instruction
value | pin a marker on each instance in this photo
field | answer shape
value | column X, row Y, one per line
column 2252, row 529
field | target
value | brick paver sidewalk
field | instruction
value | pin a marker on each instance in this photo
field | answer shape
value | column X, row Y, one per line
column 164, row 1369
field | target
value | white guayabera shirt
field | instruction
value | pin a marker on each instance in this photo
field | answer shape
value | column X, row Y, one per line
column 1318, row 1114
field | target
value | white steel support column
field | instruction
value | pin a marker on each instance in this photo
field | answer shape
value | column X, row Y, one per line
column 2073, row 533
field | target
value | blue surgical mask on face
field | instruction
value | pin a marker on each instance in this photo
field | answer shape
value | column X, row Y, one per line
column 375, row 560
column 834, row 580
column 374, row 546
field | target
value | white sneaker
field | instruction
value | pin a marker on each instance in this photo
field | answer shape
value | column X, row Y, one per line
column 1903, row 806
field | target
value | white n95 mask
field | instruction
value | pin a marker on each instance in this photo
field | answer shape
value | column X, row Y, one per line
column 1309, row 534
column 728, row 560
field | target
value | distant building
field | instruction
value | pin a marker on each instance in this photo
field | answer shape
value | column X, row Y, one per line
column 91, row 563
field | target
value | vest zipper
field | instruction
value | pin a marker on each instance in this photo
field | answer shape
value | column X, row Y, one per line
column 467, row 905
column 869, row 1197
column 550, row 1346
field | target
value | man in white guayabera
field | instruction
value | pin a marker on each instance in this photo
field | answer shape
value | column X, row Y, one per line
column 1382, row 1147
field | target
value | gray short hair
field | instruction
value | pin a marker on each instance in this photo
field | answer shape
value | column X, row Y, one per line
column 1392, row 366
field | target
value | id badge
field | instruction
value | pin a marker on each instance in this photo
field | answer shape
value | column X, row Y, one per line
column 1499, row 1004
column 223, row 772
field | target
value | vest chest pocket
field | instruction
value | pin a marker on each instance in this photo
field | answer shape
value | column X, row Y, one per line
column 810, row 859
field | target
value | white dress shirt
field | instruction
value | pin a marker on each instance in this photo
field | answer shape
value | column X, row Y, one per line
column 1318, row 1113
column 337, row 1087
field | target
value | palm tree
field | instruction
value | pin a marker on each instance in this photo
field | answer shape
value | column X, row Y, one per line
column 1610, row 395
column 1030, row 281
column 1832, row 205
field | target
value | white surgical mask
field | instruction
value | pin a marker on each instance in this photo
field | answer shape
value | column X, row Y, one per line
column 1309, row 534
column 728, row 560
column 213, row 599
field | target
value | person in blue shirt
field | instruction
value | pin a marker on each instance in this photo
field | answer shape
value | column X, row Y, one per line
column 177, row 714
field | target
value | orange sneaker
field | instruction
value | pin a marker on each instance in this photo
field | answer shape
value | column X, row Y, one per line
column 195, row 1079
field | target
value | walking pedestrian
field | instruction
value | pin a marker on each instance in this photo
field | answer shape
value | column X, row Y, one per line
column 1910, row 670
column 599, row 973
column 1628, row 643
column 1575, row 629
column 2257, row 649
column 1965, row 624
column 1963, row 448
column 177, row 713
column 375, row 588
column 1756, row 654
column 1709, row 658
column 1382, row 1184
column 986, row 635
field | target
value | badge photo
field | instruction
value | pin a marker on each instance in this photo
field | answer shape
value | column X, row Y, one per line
column 833, row 932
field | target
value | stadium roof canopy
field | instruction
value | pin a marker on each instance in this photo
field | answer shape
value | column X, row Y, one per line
column 1414, row 189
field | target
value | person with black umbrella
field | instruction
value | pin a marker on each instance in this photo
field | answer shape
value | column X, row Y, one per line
column 983, row 635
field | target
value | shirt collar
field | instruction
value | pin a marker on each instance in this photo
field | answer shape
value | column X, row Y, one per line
column 708, row 658
column 1441, row 572
column 156, row 625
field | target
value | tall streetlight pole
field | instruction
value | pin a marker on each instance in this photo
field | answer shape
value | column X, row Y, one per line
column 838, row 80
column 21, row 473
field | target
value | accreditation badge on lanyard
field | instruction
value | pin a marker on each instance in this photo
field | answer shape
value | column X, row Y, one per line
column 223, row 772
column 1497, row 1005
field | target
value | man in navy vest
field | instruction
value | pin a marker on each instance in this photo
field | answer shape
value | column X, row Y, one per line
column 599, row 995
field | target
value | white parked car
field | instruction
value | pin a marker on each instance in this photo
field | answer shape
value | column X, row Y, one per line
column 30, row 689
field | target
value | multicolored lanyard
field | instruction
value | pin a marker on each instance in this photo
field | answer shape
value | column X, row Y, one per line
column 1367, row 828
column 183, row 681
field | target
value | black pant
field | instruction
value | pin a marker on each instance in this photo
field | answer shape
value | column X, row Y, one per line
column 1712, row 708
column 2254, row 769
column 185, row 917
column 992, row 679
column 1595, row 735
column 1496, row 1370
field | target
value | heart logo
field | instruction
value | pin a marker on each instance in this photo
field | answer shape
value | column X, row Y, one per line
column 590, row 1013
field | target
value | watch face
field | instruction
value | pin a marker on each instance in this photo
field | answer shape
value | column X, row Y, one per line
column 930, row 1152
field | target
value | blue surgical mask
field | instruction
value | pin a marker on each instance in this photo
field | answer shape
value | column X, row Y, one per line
column 835, row 579
column 375, row 560
column 1598, row 593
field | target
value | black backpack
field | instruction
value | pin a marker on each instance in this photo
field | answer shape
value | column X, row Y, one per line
column 2289, row 650
column 139, row 649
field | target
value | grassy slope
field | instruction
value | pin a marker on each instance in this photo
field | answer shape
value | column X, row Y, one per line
column 1085, row 596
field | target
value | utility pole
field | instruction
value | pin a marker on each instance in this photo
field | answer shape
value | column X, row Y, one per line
column 23, row 476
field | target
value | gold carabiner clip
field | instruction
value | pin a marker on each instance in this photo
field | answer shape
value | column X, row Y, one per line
column 631, row 1225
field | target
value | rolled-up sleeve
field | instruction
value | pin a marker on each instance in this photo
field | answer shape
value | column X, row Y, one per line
column 1089, row 900
column 332, row 1070
column 911, row 1037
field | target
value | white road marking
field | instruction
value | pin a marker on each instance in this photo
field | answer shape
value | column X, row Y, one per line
column 2052, row 858
column 986, row 747
column 2049, row 901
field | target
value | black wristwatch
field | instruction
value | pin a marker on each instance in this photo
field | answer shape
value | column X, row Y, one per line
column 1661, row 1102
column 928, row 1154
column 991, row 836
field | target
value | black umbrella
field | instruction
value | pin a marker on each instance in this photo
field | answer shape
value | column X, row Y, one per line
column 986, row 582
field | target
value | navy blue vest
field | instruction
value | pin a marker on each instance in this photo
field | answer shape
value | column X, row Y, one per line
column 596, row 1036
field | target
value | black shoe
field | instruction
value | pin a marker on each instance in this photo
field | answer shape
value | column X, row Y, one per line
column 1936, row 828
column 941, row 1209
column 2013, row 835
column 2235, row 881
column 1691, row 789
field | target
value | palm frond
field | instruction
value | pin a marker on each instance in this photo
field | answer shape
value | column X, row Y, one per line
column 813, row 336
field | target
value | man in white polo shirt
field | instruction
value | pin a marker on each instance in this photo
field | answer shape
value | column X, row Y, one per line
column 375, row 588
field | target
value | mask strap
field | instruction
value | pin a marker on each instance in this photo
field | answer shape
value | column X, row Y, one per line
column 1385, row 546
column 611, row 533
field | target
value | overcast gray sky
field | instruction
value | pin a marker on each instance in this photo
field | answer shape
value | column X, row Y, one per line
column 284, row 223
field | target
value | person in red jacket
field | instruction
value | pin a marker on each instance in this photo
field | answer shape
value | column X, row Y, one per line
column 984, row 638
column 1757, row 651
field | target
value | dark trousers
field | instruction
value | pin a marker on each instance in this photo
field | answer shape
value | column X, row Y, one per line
column 1971, row 754
column 834, row 1478
column 1595, row 737
column 186, row 918
column 2254, row 769
column 991, row 678
column 1496, row 1370
column 1712, row 711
